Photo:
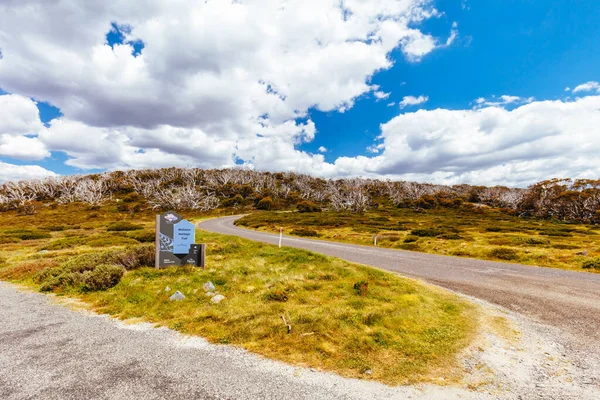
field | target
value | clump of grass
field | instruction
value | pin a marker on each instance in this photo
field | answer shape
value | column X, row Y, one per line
column 304, row 232
column 109, row 240
column 504, row 253
column 522, row 240
column 32, row 235
column 8, row 239
column 145, row 236
column 136, row 257
column 593, row 263
column 431, row 232
column 64, row 243
column 410, row 239
column 361, row 288
column 102, row 277
column 123, row 227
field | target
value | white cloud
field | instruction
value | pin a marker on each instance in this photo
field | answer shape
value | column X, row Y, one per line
column 492, row 145
column 588, row 87
column 453, row 34
column 393, row 103
column 322, row 149
column 379, row 95
column 502, row 101
column 214, row 80
column 11, row 172
column 19, row 116
column 413, row 101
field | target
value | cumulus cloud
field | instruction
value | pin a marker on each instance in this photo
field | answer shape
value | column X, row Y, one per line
column 11, row 172
column 588, row 87
column 322, row 149
column 413, row 101
column 19, row 123
column 502, row 101
column 379, row 95
column 213, row 78
column 492, row 145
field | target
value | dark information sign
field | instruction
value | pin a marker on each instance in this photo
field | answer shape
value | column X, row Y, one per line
column 175, row 242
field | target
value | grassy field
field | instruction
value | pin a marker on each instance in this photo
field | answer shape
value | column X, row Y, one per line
column 483, row 233
column 344, row 318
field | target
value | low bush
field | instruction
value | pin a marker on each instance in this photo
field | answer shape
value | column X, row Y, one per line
column 425, row 232
column 450, row 236
column 361, row 288
column 8, row 239
column 562, row 246
column 64, row 243
column 304, row 232
column 593, row 263
column 110, row 240
column 123, row 227
column 278, row 295
column 101, row 278
column 145, row 236
column 33, row 235
column 136, row 257
column 533, row 241
column 411, row 239
column 86, row 262
column 555, row 233
column 308, row 206
column 266, row 203
column 503, row 253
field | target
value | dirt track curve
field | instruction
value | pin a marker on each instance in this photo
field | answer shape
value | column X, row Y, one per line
column 567, row 300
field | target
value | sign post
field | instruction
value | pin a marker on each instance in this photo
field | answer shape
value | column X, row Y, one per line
column 175, row 242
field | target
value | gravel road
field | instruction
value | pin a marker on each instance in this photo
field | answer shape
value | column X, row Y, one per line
column 48, row 351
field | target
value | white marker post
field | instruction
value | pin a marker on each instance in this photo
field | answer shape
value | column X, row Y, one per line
column 280, row 236
column 375, row 241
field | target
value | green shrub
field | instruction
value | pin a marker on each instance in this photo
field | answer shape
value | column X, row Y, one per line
column 101, row 278
column 136, row 257
column 110, row 240
column 530, row 240
column 304, row 232
column 89, row 261
column 266, row 203
column 132, row 198
column 278, row 295
column 555, row 233
column 361, row 288
column 411, row 239
column 450, row 236
column 64, row 243
column 308, row 206
column 8, row 239
column 425, row 232
column 145, row 236
column 123, row 226
column 504, row 253
column 565, row 246
column 32, row 235
column 426, row 202
column 3, row 261
column 593, row 263
column 54, row 228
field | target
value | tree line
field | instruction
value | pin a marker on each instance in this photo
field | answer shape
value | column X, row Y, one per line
column 197, row 189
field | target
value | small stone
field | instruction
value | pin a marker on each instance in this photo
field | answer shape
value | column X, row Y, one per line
column 177, row 296
column 313, row 370
column 43, row 251
column 582, row 253
column 209, row 287
column 167, row 289
column 210, row 294
column 368, row 372
column 217, row 299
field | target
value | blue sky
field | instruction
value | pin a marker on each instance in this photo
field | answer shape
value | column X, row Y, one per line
column 119, row 97
column 535, row 48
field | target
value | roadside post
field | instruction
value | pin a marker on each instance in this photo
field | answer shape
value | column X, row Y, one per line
column 280, row 235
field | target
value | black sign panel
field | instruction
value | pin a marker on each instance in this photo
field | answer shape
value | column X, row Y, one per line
column 166, row 243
